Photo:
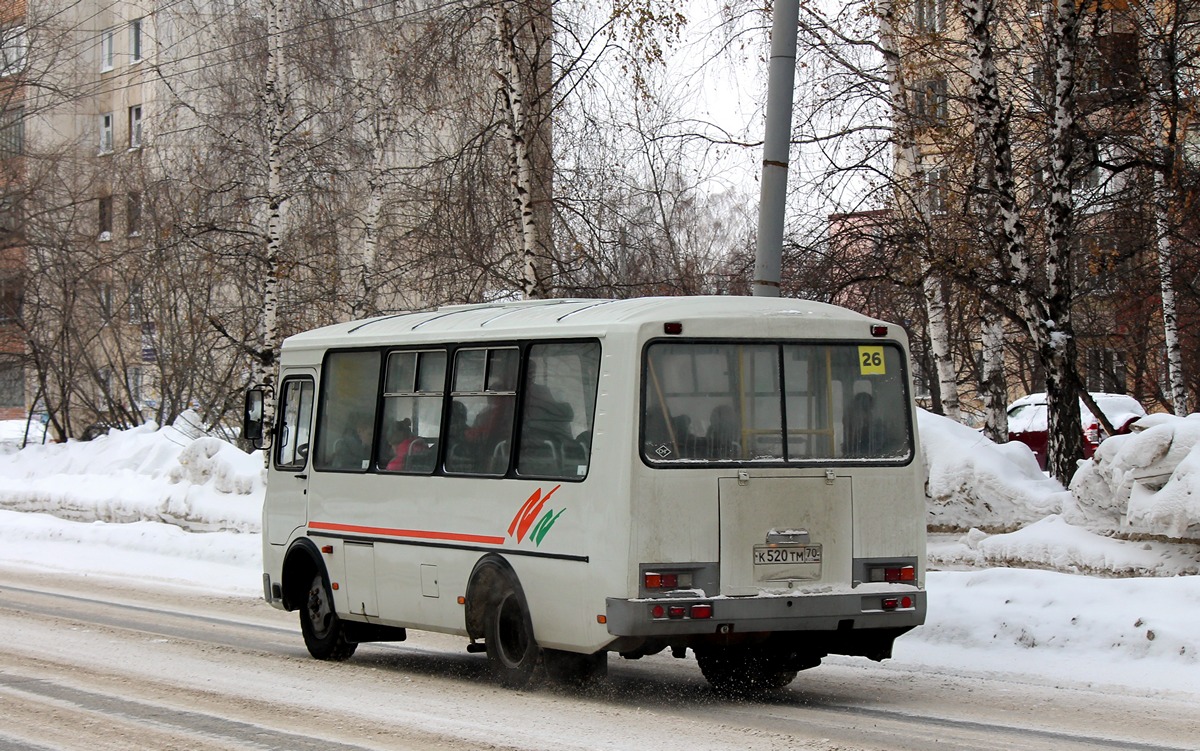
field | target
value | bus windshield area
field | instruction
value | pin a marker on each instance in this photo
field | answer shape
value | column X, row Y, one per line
column 724, row 402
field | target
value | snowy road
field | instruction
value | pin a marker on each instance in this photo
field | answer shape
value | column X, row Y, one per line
column 89, row 664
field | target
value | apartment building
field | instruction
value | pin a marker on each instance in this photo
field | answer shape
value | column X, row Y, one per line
column 1117, row 315
column 13, row 61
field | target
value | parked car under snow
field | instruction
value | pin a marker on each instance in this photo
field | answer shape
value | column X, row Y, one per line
column 1028, row 421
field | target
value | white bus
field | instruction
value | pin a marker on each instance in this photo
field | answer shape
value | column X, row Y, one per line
column 557, row 480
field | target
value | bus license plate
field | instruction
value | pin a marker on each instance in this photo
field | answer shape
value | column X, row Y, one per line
column 771, row 554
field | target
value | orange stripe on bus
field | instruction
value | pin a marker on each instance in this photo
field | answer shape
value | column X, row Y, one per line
column 420, row 534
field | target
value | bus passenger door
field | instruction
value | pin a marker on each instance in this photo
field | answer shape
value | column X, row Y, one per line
column 785, row 533
column 286, row 507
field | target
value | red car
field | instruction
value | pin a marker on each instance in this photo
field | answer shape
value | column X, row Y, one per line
column 1028, row 421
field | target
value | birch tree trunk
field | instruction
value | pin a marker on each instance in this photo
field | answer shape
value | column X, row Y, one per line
column 1159, row 74
column 521, row 168
column 1056, row 335
column 909, row 164
column 264, row 367
column 993, row 144
column 1048, row 316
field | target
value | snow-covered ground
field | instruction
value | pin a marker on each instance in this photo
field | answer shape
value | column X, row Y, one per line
column 1089, row 584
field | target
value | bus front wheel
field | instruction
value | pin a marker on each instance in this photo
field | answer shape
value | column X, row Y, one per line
column 742, row 671
column 508, row 635
column 324, row 633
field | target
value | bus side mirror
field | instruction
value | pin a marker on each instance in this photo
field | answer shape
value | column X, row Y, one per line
column 252, row 418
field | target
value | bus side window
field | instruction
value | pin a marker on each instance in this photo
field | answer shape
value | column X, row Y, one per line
column 346, row 425
column 558, row 404
column 295, row 422
column 484, row 394
column 413, row 392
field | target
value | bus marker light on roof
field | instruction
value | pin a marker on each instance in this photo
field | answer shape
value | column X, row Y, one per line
column 674, row 327
column 878, row 330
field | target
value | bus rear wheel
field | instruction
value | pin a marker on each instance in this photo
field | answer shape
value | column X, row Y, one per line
column 324, row 633
column 742, row 671
column 508, row 635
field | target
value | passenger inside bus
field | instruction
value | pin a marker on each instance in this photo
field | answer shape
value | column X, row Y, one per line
column 407, row 447
column 353, row 449
column 485, row 441
column 866, row 434
column 546, row 418
column 721, row 438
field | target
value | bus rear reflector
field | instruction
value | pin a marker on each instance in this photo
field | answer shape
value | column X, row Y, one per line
column 696, row 611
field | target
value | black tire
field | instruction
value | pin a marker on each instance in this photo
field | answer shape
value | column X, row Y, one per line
column 324, row 633
column 742, row 671
column 512, row 650
column 573, row 669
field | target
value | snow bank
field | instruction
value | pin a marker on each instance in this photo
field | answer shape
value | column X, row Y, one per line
column 144, row 473
column 1052, row 543
column 1133, row 619
column 976, row 483
column 1146, row 482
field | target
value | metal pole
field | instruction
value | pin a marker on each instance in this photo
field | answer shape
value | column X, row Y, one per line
column 781, row 79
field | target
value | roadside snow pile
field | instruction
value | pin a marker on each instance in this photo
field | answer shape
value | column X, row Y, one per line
column 1053, row 544
column 976, row 483
column 141, row 474
column 1146, row 482
column 17, row 433
column 1004, row 612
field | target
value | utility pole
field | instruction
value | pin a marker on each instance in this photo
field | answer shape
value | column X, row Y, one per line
column 781, row 79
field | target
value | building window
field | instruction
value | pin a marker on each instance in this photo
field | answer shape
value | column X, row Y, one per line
column 133, row 214
column 930, row 15
column 136, row 304
column 12, row 383
column 106, row 301
column 1106, row 371
column 12, row 290
column 133, row 383
column 8, row 216
column 13, row 50
column 135, row 126
column 107, row 49
column 135, row 40
column 936, row 189
column 106, row 133
column 931, row 102
column 105, row 206
column 12, row 133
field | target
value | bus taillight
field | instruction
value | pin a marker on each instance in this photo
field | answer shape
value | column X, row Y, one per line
column 668, row 580
column 894, row 574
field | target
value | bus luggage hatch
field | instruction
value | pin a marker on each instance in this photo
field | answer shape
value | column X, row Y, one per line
column 785, row 533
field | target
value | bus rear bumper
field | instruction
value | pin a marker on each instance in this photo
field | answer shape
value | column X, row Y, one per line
column 670, row 618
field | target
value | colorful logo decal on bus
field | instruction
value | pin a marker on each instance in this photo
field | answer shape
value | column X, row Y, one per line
column 528, row 515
